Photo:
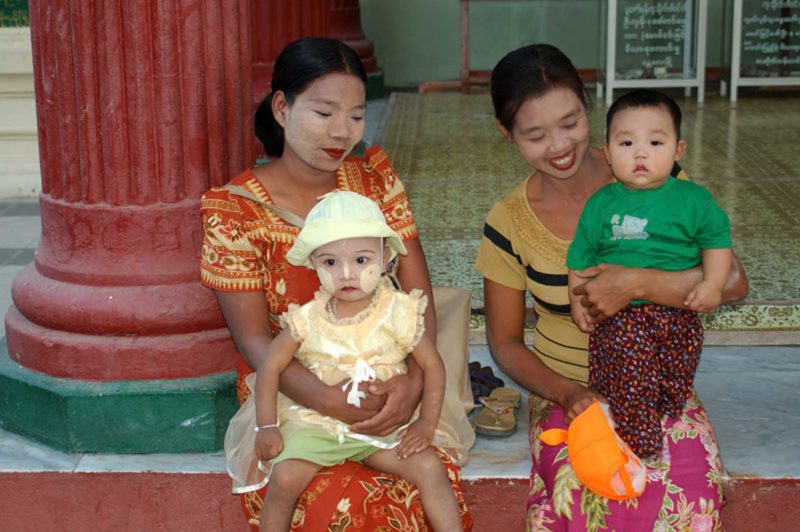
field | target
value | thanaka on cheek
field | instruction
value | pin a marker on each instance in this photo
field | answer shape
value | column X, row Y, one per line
column 326, row 281
column 369, row 278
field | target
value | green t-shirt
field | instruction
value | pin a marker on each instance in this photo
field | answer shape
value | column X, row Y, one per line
column 664, row 228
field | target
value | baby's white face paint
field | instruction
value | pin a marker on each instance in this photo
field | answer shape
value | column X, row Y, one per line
column 350, row 269
column 369, row 278
column 326, row 280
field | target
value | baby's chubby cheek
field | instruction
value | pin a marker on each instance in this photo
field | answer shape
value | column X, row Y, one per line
column 326, row 281
column 369, row 278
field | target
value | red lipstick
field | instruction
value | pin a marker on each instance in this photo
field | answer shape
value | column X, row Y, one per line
column 334, row 154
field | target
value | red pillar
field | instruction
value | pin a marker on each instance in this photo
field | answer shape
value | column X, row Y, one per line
column 345, row 25
column 142, row 106
column 276, row 23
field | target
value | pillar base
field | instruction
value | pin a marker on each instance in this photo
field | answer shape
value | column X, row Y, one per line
column 164, row 416
column 375, row 85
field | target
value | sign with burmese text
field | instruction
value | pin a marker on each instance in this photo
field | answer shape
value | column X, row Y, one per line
column 652, row 37
column 770, row 38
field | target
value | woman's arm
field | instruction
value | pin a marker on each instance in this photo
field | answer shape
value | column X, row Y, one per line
column 505, row 323
column 404, row 392
column 609, row 288
column 246, row 315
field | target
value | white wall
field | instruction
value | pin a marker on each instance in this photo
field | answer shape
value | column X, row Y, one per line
column 19, row 151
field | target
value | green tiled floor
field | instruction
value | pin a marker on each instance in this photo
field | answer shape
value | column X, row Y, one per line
column 455, row 165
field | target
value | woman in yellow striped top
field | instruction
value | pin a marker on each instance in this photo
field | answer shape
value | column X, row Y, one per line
column 541, row 106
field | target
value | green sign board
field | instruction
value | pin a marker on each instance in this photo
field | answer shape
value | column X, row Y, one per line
column 652, row 37
column 770, row 38
column 14, row 13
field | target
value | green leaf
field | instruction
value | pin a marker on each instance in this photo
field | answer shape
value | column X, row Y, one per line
column 562, row 454
column 566, row 481
column 595, row 508
column 538, row 484
column 667, row 504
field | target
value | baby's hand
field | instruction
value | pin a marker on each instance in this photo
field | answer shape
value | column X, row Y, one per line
column 269, row 443
column 414, row 438
column 705, row 297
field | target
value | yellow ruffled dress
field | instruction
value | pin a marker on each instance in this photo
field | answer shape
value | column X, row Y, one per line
column 371, row 345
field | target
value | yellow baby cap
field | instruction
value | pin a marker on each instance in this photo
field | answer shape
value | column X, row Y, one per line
column 339, row 215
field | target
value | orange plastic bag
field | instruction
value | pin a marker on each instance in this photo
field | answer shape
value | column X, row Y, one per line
column 601, row 460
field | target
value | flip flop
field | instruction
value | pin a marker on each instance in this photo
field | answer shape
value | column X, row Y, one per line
column 497, row 418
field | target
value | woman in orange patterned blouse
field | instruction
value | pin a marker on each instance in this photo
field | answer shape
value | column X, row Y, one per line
column 309, row 125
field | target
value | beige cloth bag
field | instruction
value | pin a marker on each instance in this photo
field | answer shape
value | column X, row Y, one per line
column 452, row 307
column 452, row 341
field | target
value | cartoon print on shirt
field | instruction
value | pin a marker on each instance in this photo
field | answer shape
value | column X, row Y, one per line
column 631, row 228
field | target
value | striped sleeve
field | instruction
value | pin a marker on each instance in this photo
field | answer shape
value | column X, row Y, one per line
column 498, row 259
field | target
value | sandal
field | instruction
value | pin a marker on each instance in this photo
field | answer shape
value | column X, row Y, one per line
column 497, row 418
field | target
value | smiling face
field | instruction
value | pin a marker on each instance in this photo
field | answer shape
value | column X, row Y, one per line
column 642, row 146
column 324, row 122
column 350, row 269
column 551, row 132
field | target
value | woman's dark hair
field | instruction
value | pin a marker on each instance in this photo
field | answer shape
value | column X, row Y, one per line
column 297, row 66
column 645, row 98
column 529, row 72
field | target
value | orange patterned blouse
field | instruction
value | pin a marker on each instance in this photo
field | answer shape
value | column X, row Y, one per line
column 245, row 244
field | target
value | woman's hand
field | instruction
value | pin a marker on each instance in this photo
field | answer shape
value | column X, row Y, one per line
column 402, row 394
column 582, row 318
column 608, row 288
column 335, row 405
column 577, row 400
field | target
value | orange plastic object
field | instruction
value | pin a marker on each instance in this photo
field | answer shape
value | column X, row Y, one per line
column 601, row 460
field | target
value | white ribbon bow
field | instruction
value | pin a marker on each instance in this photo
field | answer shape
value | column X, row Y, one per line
column 362, row 372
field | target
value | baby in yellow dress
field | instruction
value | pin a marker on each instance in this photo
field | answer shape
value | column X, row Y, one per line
column 358, row 328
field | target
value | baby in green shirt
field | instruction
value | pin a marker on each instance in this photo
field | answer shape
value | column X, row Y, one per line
column 643, row 359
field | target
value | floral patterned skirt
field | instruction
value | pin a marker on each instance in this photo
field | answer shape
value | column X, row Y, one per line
column 684, row 489
column 355, row 498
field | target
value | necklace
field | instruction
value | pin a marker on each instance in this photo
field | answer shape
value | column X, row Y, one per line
column 332, row 307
